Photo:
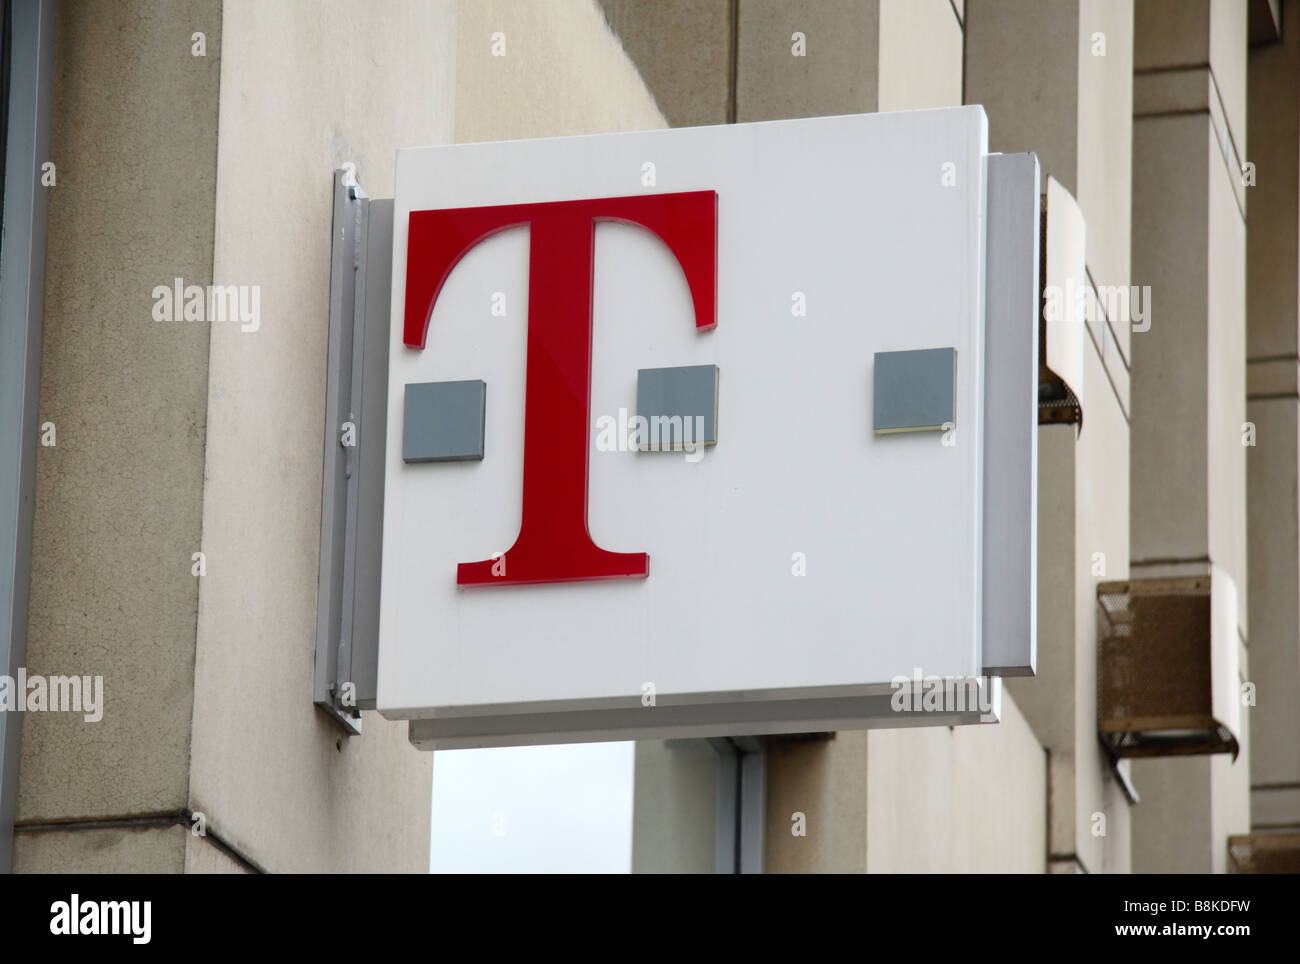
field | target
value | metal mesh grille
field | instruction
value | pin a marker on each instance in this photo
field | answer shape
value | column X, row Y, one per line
column 1264, row 853
column 1154, row 682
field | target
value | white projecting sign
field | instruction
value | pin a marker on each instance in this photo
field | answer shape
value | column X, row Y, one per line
column 686, row 432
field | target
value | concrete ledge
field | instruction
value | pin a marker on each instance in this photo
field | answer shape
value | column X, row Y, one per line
column 139, row 849
column 1275, row 807
column 1273, row 378
column 1191, row 90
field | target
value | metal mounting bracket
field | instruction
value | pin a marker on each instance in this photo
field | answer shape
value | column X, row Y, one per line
column 742, row 807
column 356, row 417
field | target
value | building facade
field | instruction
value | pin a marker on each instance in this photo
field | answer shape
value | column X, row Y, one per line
column 175, row 503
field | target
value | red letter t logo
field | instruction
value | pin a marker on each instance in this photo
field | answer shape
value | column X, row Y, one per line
column 553, row 544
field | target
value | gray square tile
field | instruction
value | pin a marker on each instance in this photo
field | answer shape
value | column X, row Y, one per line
column 915, row 391
column 666, row 397
column 443, row 421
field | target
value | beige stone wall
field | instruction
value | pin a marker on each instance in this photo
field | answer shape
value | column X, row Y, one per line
column 718, row 61
column 563, row 72
column 117, row 504
column 137, row 849
column 685, row 50
column 925, row 800
column 920, row 45
column 966, row 799
column 837, row 73
column 1189, row 390
column 1029, row 89
column 1101, row 553
column 1273, row 387
column 1103, row 182
column 306, row 87
column 826, row 782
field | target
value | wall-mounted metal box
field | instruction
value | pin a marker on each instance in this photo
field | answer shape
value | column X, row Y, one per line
column 1062, row 325
column 1167, row 659
column 1264, row 853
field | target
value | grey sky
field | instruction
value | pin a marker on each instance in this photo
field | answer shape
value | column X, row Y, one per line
column 556, row 809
